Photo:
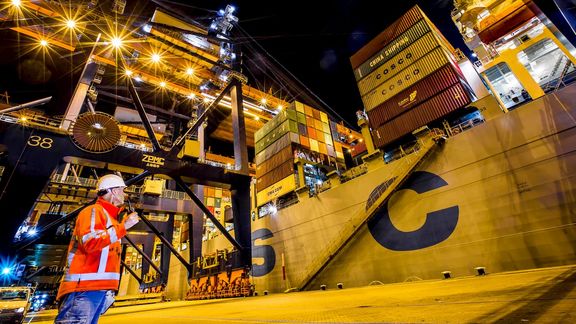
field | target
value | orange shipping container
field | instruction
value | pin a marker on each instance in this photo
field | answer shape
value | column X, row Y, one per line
column 311, row 132
column 304, row 141
column 316, row 114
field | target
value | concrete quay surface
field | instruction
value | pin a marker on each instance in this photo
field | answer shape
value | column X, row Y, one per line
column 532, row 296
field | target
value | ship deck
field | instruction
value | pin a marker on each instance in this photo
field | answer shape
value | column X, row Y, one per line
column 546, row 295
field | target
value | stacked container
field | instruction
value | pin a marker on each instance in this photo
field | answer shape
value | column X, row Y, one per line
column 216, row 200
column 407, row 78
column 297, row 127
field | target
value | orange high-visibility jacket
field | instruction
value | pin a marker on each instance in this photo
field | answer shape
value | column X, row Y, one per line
column 95, row 250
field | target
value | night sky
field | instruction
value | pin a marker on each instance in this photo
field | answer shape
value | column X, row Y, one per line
column 314, row 40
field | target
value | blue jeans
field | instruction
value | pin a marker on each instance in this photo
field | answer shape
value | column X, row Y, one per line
column 83, row 307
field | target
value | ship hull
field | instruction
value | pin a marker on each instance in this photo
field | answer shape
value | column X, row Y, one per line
column 501, row 196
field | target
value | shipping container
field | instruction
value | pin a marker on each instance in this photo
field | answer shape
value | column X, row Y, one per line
column 430, row 110
column 274, row 123
column 301, row 117
column 294, row 138
column 305, row 141
column 275, row 175
column 322, row 148
column 316, row 114
column 314, row 145
column 310, row 121
column 273, row 149
column 311, row 132
column 405, row 78
column 398, row 27
column 275, row 134
column 436, row 82
column 302, row 129
column 275, row 161
column 327, row 138
column 330, row 150
column 320, row 136
column 276, row 190
column 388, row 51
column 414, row 52
column 299, row 106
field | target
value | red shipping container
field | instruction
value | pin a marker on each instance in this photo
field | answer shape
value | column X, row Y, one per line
column 435, row 83
column 433, row 109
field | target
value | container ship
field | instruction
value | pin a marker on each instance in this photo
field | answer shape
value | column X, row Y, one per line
column 458, row 169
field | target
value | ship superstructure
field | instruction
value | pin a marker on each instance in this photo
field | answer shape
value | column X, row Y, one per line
column 520, row 55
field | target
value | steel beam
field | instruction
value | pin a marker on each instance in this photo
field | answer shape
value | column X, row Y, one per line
column 131, row 271
column 206, row 211
column 144, row 255
column 239, row 128
column 166, row 242
column 143, row 116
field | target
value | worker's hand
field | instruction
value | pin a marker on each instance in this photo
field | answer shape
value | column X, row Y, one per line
column 131, row 220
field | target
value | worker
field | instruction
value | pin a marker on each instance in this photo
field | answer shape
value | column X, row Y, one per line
column 92, row 275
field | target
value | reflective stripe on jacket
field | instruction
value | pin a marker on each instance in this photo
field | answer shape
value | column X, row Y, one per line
column 94, row 252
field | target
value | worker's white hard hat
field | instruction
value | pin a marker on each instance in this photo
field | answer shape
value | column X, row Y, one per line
column 110, row 181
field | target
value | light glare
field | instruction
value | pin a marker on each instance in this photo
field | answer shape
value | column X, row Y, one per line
column 156, row 57
column 116, row 42
column 44, row 42
column 70, row 23
column 16, row 3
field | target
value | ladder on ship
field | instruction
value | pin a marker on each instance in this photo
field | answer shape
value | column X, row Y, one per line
column 563, row 74
column 406, row 166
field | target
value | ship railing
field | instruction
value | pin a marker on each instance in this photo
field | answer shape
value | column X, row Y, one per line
column 86, row 182
column 173, row 194
column 400, row 172
column 354, row 172
column 465, row 126
column 32, row 119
